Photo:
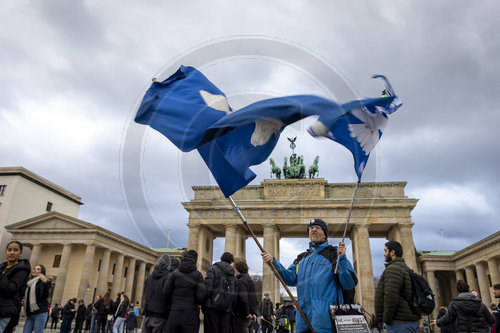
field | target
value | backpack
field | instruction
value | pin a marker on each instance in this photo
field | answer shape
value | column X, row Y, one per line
column 330, row 253
column 422, row 301
column 225, row 293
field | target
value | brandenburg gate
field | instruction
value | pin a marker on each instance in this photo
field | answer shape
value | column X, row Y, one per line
column 282, row 207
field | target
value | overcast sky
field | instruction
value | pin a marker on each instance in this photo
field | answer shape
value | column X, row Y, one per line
column 72, row 73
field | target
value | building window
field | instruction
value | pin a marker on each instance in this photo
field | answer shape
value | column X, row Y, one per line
column 113, row 272
column 99, row 266
column 49, row 206
column 125, row 273
column 2, row 189
column 57, row 260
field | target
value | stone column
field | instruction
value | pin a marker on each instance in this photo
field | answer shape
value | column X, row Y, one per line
column 408, row 246
column 102, row 282
column 460, row 276
column 484, row 287
column 230, row 239
column 35, row 254
column 277, row 283
column 130, row 277
column 240, row 243
column 117, row 277
column 62, row 272
column 394, row 234
column 494, row 273
column 194, row 230
column 453, row 287
column 471, row 279
column 431, row 279
column 139, row 287
column 87, row 272
column 268, row 283
column 365, row 268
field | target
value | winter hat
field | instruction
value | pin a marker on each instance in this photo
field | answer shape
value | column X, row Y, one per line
column 164, row 261
column 174, row 263
column 318, row 222
column 191, row 256
column 227, row 257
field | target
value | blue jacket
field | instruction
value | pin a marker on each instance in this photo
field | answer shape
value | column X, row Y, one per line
column 316, row 287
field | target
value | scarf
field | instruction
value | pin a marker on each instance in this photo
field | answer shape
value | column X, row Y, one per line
column 32, row 289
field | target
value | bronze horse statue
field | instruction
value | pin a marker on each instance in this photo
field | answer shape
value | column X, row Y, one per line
column 275, row 169
column 313, row 169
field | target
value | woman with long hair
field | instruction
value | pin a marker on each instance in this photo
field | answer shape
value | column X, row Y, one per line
column 102, row 306
column 120, row 314
column 36, row 304
column 13, row 277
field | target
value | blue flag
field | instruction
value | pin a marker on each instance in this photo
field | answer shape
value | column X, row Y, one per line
column 194, row 114
column 360, row 127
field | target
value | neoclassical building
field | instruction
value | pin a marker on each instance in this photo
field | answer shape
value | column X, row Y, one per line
column 477, row 264
column 82, row 259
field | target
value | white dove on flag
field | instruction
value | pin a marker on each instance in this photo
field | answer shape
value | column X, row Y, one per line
column 264, row 129
column 367, row 133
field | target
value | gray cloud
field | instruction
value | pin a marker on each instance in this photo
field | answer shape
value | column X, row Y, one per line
column 72, row 72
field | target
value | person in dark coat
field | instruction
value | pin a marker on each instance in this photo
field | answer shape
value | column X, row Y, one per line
column 448, row 328
column 55, row 313
column 469, row 312
column 103, row 307
column 217, row 320
column 246, row 301
column 13, row 278
column 131, row 321
column 68, row 314
column 155, row 309
column 496, row 292
column 266, row 311
column 88, row 316
column 174, row 264
column 81, row 314
column 35, row 301
column 185, row 292
column 120, row 314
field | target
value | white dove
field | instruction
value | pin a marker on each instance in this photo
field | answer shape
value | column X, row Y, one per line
column 367, row 133
column 264, row 129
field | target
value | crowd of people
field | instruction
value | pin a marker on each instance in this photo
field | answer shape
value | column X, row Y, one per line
column 175, row 293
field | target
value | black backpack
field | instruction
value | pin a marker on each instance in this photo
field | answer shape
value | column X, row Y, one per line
column 330, row 254
column 225, row 293
column 422, row 301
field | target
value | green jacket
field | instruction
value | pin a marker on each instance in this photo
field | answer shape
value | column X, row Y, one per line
column 393, row 292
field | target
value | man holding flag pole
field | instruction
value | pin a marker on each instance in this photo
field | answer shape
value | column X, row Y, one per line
column 194, row 114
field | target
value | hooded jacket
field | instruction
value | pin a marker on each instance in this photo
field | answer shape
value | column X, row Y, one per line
column 393, row 292
column 316, row 286
column 185, row 289
column 470, row 313
column 66, row 311
column 155, row 301
column 214, row 274
column 12, row 286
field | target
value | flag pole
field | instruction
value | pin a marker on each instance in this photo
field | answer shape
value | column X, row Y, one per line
column 349, row 214
column 242, row 218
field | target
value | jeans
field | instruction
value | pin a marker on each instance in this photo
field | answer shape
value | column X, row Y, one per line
column 3, row 323
column 399, row 327
column 118, row 325
column 66, row 325
column 35, row 322
column 92, row 324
